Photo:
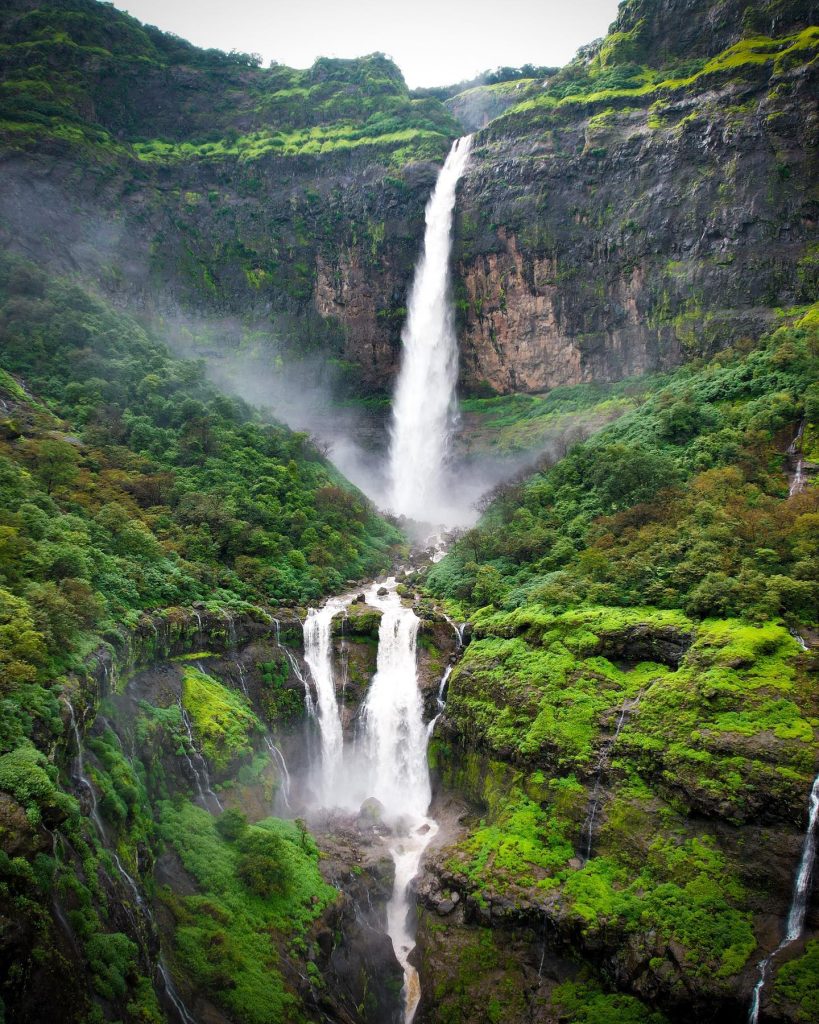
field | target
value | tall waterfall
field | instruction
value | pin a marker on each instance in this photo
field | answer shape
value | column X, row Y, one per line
column 318, row 655
column 424, row 405
column 799, row 903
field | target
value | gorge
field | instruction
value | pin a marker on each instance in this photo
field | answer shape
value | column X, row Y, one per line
column 521, row 724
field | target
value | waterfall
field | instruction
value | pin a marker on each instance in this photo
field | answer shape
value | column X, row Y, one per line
column 396, row 746
column 587, row 831
column 797, row 483
column 424, row 406
column 79, row 771
column 799, row 903
column 318, row 656
column 201, row 772
column 278, row 758
column 395, row 734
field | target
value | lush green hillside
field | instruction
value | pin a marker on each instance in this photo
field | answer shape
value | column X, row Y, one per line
column 130, row 484
column 84, row 74
column 632, row 718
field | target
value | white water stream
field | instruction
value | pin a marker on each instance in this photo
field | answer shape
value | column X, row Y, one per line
column 424, row 409
column 388, row 761
column 799, row 904
column 396, row 741
column 318, row 657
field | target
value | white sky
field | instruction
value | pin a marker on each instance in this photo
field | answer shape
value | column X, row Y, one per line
column 434, row 42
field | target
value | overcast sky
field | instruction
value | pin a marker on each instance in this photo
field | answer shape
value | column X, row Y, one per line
column 434, row 42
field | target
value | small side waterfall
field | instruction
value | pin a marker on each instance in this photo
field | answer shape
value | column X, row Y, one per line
column 424, row 408
column 797, row 484
column 181, row 1011
column 799, row 904
column 200, row 774
column 587, row 832
column 278, row 758
column 318, row 656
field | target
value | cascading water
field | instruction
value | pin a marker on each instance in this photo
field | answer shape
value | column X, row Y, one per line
column 318, row 656
column 168, row 986
column 799, row 904
column 396, row 747
column 424, row 407
column 395, row 734
column 201, row 773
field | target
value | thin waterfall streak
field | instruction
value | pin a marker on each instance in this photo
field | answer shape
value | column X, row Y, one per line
column 424, row 408
column 587, row 832
column 173, row 996
column 278, row 758
column 799, row 903
column 200, row 773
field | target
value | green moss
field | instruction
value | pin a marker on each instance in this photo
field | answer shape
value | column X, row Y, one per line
column 221, row 718
column 583, row 1001
column 797, row 984
column 523, row 847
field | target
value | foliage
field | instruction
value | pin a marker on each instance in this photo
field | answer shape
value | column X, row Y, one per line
column 797, row 982
column 221, row 718
column 164, row 492
column 259, row 893
column 678, row 504
column 62, row 61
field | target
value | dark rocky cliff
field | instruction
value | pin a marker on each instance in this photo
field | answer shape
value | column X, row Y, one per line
column 654, row 201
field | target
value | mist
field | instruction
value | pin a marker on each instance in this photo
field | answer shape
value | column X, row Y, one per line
column 306, row 393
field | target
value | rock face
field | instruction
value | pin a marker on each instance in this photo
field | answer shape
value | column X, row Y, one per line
column 597, row 236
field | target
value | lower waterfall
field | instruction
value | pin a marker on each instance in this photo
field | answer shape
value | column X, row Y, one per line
column 396, row 746
column 387, row 761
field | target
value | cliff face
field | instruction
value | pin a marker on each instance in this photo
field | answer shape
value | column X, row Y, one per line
column 609, row 233
column 624, row 239
column 649, row 202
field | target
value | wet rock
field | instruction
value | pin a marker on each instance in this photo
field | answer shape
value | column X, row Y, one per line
column 371, row 811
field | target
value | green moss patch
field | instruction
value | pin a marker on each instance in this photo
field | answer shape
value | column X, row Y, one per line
column 221, row 718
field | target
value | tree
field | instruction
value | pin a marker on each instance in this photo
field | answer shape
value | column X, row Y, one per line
column 231, row 825
column 22, row 647
column 262, row 862
column 56, row 464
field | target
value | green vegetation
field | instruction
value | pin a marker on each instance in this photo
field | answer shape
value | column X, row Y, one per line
column 221, row 719
column 260, row 891
column 584, row 1002
column 554, row 421
column 129, row 483
column 133, row 484
column 61, row 61
column 629, row 606
column 796, row 984
column 678, row 504
column 614, row 74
